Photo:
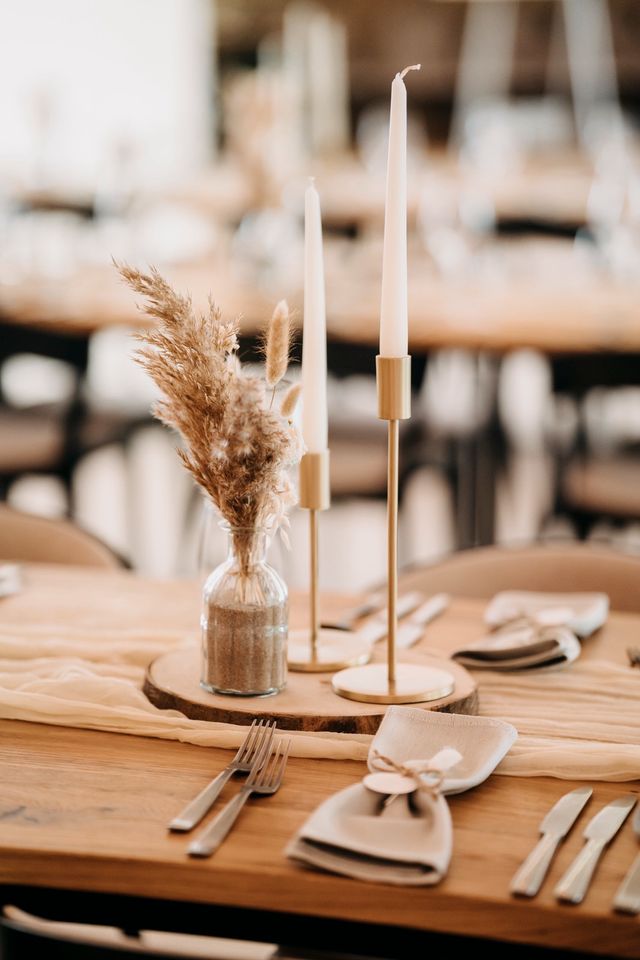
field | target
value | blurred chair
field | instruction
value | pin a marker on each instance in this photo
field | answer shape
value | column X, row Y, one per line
column 24, row 935
column 483, row 572
column 594, row 489
column 598, row 476
column 50, row 438
column 27, row 538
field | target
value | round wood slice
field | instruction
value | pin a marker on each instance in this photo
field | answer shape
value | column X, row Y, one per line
column 307, row 703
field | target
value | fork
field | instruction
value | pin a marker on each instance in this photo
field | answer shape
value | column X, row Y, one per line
column 264, row 780
column 253, row 747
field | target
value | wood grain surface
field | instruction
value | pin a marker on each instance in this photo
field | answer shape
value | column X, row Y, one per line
column 88, row 810
column 307, row 703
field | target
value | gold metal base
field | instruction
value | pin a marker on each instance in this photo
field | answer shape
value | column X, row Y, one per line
column 393, row 376
column 334, row 650
column 315, row 489
column 413, row 684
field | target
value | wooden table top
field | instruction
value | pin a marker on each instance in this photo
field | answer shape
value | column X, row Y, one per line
column 563, row 312
column 88, row 810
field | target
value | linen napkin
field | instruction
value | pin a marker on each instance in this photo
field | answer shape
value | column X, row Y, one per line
column 409, row 733
column 360, row 834
column 534, row 630
column 521, row 646
column 582, row 613
column 10, row 579
column 353, row 833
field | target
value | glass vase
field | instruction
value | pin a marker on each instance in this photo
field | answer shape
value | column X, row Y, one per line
column 244, row 623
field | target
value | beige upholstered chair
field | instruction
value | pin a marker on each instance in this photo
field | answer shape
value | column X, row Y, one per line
column 576, row 566
column 27, row 538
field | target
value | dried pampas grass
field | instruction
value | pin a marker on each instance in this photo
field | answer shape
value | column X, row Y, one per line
column 237, row 448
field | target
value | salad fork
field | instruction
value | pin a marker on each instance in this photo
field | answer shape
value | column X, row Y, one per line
column 251, row 750
column 264, row 780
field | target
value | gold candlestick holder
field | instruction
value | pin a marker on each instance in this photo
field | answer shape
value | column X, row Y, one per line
column 391, row 682
column 318, row 649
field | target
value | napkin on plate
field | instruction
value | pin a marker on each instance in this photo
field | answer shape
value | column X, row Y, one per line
column 582, row 613
column 521, row 646
column 534, row 630
column 408, row 841
column 353, row 833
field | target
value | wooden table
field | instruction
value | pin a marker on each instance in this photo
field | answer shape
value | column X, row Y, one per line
column 83, row 821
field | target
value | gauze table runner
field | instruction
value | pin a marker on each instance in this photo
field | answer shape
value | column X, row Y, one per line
column 581, row 722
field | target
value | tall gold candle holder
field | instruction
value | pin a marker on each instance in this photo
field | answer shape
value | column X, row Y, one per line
column 391, row 682
column 316, row 649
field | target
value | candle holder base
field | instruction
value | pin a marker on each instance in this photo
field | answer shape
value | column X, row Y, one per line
column 413, row 684
column 334, row 650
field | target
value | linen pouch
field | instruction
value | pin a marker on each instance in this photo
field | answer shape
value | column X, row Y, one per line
column 408, row 840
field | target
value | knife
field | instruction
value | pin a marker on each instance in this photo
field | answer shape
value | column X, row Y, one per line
column 627, row 898
column 600, row 830
column 556, row 825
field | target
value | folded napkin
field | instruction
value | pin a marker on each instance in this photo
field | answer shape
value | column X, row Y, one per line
column 10, row 579
column 353, row 833
column 534, row 630
column 405, row 838
column 522, row 645
column 409, row 733
column 582, row 613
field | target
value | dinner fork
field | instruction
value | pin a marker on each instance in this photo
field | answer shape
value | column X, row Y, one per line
column 265, row 781
column 252, row 749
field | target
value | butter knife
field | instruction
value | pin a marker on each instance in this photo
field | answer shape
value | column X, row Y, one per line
column 600, row 830
column 627, row 898
column 554, row 827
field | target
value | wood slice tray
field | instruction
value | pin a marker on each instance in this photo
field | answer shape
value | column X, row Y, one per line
column 307, row 703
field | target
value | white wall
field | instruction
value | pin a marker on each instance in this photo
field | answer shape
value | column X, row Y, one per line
column 100, row 73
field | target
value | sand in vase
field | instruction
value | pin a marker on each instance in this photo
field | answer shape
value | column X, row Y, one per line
column 245, row 649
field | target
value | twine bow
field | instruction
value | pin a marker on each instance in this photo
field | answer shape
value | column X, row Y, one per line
column 417, row 770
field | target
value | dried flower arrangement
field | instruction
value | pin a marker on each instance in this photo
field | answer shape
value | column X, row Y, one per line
column 239, row 443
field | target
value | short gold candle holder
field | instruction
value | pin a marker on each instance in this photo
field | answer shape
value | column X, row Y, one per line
column 316, row 649
column 379, row 682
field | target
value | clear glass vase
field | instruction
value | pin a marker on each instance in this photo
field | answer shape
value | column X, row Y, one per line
column 244, row 622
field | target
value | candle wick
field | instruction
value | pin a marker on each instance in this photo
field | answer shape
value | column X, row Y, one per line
column 415, row 66
column 312, row 180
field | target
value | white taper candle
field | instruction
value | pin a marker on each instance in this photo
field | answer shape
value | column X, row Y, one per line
column 394, row 337
column 314, row 342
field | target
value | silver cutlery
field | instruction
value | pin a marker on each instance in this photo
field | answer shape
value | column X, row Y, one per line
column 412, row 630
column 600, row 830
column 348, row 619
column 554, row 827
column 265, row 780
column 254, row 747
column 627, row 898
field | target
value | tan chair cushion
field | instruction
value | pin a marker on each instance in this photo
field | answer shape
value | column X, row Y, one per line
column 358, row 468
column 604, row 486
column 569, row 567
column 27, row 538
column 29, row 442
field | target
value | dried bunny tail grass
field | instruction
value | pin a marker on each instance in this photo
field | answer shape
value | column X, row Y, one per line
column 277, row 344
column 290, row 400
column 236, row 448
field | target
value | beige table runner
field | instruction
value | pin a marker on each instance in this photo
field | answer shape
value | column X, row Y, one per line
column 581, row 722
